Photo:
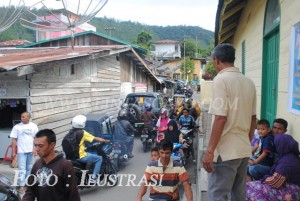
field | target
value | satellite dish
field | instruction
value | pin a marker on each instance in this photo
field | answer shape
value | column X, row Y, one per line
column 62, row 15
column 12, row 11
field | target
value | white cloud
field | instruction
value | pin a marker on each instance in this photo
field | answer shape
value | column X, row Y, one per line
column 154, row 12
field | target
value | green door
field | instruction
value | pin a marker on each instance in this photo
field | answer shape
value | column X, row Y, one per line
column 270, row 76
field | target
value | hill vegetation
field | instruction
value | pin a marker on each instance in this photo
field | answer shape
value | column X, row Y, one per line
column 124, row 30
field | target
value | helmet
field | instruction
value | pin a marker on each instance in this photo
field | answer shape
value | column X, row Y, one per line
column 122, row 113
column 78, row 121
column 148, row 106
column 163, row 111
column 124, row 106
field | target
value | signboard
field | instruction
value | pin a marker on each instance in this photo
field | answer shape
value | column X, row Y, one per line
column 294, row 85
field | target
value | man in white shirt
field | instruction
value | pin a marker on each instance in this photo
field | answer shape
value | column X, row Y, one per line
column 233, row 108
column 22, row 136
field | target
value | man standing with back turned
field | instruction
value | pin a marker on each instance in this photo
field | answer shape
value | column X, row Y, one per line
column 234, row 117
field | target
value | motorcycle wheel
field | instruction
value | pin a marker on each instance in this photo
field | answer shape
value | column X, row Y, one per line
column 112, row 174
column 115, row 164
column 145, row 147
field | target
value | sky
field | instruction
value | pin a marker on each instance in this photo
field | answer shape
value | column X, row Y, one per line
column 200, row 13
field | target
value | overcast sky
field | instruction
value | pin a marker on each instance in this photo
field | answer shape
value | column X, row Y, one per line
column 152, row 12
column 164, row 12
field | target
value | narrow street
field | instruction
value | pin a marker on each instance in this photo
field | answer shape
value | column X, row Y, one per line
column 123, row 190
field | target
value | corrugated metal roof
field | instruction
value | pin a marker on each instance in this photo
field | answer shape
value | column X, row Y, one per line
column 13, row 58
column 166, row 42
column 85, row 33
column 13, row 43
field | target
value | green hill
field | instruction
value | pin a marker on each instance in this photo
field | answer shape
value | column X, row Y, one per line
column 125, row 30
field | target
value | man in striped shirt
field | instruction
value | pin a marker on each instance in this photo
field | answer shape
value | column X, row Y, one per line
column 164, row 175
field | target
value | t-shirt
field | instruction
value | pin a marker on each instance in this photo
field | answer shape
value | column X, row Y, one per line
column 186, row 122
column 265, row 144
column 88, row 138
column 164, row 181
column 234, row 96
column 24, row 133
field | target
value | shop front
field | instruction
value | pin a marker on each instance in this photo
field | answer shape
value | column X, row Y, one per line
column 14, row 93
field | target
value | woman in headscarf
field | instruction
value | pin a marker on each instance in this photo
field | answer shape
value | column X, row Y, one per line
column 283, row 183
column 172, row 133
column 163, row 119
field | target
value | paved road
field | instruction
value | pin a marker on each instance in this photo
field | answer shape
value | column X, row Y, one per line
column 123, row 191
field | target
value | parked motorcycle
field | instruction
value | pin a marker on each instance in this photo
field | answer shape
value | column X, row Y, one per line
column 108, row 173
column 177, row 155
column 7, row 191
column 147, row 138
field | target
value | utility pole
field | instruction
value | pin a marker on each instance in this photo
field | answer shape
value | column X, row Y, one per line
column 110, row 29
column 184, row 67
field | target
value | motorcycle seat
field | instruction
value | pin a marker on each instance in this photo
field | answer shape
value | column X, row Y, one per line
column 78, row 164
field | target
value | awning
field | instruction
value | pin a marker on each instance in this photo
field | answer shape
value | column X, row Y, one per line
column 145, row 66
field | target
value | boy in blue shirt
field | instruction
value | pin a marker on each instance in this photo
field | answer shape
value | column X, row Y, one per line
column 262, row 160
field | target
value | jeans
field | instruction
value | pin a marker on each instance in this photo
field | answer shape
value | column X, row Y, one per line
column 25, row 162
column 228, row 180
column 93, row 158
column 258, row 171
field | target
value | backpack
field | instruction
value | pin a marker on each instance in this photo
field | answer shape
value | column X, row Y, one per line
column 70, row 143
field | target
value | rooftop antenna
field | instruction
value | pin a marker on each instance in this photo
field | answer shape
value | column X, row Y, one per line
column 75, row 13
column 8, row 18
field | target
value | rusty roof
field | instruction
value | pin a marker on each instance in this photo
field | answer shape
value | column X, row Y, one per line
column 13, row 58
column 166, row 42
column 13, row 43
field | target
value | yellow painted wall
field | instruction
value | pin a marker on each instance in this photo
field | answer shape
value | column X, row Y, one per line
column 197, row 64
column 250, row 29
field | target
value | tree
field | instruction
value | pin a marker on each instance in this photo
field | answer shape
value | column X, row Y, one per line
column 144, row 39
column 210, row 72
column 189, row 48
column 206, row 52
column 187, row 68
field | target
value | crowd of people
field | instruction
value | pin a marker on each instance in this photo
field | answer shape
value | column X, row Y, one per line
column 272, row 170
column 268, row 171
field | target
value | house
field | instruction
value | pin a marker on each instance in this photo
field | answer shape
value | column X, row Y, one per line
column 199, row 64
column 56, row 83
column 132, row 76
column 166, row 49
column 266, row 35
column 57, row 20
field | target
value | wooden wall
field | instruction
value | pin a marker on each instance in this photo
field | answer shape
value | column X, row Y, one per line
column 82, row 40
column 56, row 96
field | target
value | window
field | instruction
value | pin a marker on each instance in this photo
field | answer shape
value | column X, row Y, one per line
column 195, row 77
column 243, row 58
column 176, row 76
column 72, row 69
column 272, row 19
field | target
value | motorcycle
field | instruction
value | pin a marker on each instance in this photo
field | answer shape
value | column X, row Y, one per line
column 188, row 137
column 147, row 138
column 7, row 191
column 119, row 154
column 160, row 135
column 177, row 155
column 108, row 173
